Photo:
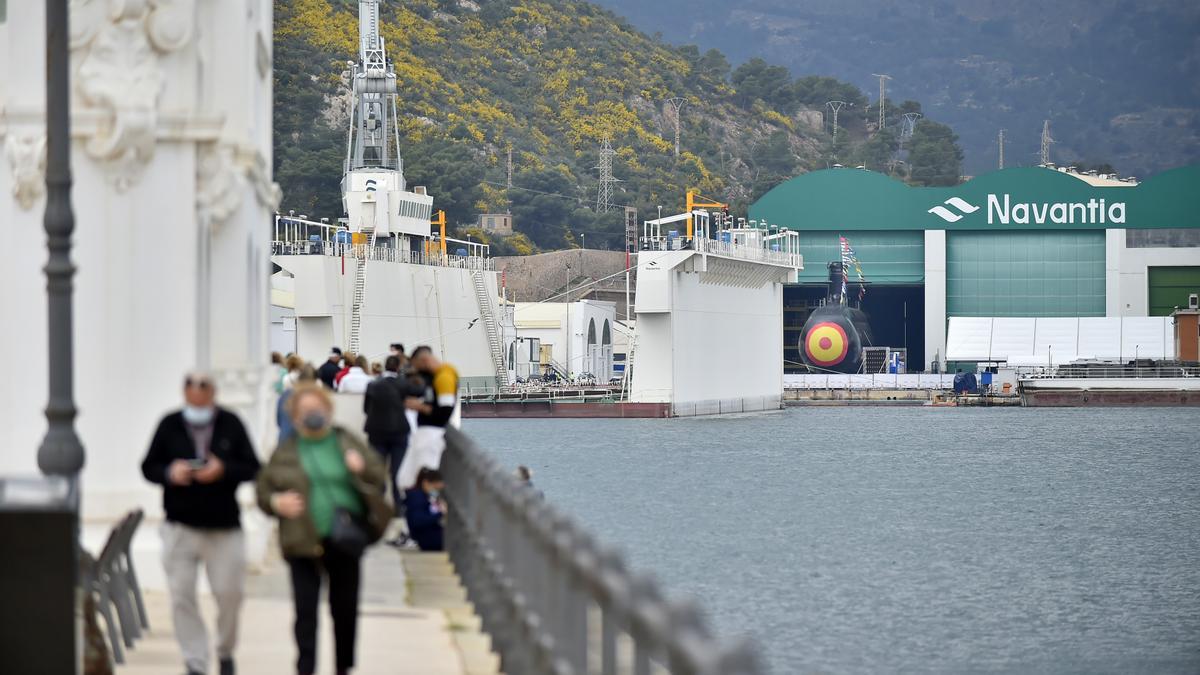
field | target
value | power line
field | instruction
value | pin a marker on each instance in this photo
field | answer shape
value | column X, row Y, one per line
column 882, row 96
column 908, row 126
column 604, row 189
column 560, row 195
column 677, row 105
column 1046, row 141
column 836, row 106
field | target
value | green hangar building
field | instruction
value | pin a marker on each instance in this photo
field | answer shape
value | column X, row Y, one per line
column 1021, row 242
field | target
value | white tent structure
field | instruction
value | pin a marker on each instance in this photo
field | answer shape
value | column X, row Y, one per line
column 1020, row 341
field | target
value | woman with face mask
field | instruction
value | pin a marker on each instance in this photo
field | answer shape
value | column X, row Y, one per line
column 326, row 488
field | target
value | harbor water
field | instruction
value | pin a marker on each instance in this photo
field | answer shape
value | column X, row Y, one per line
column 872, row 540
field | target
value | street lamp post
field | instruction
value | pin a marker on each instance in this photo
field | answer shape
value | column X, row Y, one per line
column 39, row 573
column 61, row 452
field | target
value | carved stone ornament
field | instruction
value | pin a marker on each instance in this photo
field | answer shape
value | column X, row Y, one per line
column 268, row 192
column 27, row 159
column 219, row 183
column 117, row 45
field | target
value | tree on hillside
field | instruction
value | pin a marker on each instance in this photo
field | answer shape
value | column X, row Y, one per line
column 934, row 157
column 758, row 80
column 543, row 209
column 451, row 172
column 814, row 91
column 713, row 67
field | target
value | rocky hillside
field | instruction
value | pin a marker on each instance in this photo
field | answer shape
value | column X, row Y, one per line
column 551, row 80
column 1119, row 80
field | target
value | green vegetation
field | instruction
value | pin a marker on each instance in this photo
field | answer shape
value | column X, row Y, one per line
column 551, row 80
column 1117, row 79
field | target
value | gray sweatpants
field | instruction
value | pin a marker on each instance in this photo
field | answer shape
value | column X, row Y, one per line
column 223, row 554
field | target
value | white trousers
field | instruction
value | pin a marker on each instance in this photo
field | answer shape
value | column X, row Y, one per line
column 223, row 554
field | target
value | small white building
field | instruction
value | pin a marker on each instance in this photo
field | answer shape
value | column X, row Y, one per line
column 575, row 337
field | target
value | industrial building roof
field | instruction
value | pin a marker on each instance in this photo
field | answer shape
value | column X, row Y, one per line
column 1030, row 198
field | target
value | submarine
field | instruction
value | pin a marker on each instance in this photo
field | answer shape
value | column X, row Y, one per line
column 835, row 333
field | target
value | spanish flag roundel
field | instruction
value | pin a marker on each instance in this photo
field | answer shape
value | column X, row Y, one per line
column 826, row 344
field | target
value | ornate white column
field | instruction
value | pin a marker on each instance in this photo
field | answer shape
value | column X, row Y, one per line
column 171, row 122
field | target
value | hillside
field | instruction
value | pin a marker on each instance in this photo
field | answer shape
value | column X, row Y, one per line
column 1119, row 80
column 551, row 81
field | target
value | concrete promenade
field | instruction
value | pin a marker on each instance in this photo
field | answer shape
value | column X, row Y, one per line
column 414, row 619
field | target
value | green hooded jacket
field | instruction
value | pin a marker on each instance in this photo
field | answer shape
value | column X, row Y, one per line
column 284, row 471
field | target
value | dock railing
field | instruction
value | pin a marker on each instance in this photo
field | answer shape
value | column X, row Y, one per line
column 553, row 599
column 297, row 236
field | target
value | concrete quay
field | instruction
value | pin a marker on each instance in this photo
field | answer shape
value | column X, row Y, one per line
column 414, row 620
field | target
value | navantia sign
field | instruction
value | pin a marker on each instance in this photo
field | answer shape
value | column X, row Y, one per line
column 1012, row 199
column 1002, row 210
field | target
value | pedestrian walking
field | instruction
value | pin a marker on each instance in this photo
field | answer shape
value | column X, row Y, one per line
column 283, row 419
column 435, row 407
column 387, row 425
column 357, row 378
column 347, row 363
column 329, row 370
column 326, row 488
column 199, row 455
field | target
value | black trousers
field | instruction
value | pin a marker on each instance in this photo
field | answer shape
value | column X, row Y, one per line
column 392, row 453
column 343, row 572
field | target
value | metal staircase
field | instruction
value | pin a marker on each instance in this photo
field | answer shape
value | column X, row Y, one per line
column 493, row 329
column 360, row 291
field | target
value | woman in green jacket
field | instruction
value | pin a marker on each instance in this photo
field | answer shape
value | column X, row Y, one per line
column 317, row 483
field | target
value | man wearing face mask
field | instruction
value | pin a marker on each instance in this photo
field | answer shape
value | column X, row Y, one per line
column 199, row 455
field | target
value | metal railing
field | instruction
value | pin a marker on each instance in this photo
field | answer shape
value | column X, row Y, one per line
column 756, row 253
column 1114, row 371
column 381, row 253
column 298, row 236
column 553, row 599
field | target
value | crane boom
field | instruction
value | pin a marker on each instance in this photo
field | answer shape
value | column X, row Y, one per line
column 371, row 53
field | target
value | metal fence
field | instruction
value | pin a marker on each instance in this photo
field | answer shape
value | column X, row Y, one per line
column 553, row 599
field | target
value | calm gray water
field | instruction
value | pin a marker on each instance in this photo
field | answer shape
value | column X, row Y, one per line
column 872, row 540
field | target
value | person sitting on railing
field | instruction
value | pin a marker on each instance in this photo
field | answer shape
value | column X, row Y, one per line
column 424, row 508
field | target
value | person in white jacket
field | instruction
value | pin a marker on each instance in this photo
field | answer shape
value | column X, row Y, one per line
column 356, row 381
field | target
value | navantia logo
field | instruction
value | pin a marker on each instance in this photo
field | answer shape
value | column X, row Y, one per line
column 1002, row 210
column 949, row 216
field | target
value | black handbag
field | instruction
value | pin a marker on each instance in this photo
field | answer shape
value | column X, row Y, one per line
column 347, row 533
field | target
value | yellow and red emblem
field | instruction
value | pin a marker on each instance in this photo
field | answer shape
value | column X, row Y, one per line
column 826, row 344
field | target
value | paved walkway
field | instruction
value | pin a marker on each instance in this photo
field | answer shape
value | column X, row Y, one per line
column 435, row 633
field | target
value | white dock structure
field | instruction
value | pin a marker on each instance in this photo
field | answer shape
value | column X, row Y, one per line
column 404, row 295
column 709, row 332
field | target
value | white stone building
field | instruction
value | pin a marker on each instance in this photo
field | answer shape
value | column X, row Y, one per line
column 171, row 156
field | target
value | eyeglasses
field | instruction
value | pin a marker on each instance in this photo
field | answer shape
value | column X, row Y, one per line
column 199, row 383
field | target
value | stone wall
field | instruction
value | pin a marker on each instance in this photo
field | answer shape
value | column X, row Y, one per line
column 537, row 277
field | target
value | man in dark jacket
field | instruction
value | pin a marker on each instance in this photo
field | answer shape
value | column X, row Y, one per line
column 329, row 370
column 386, row 426
column 199, row 455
